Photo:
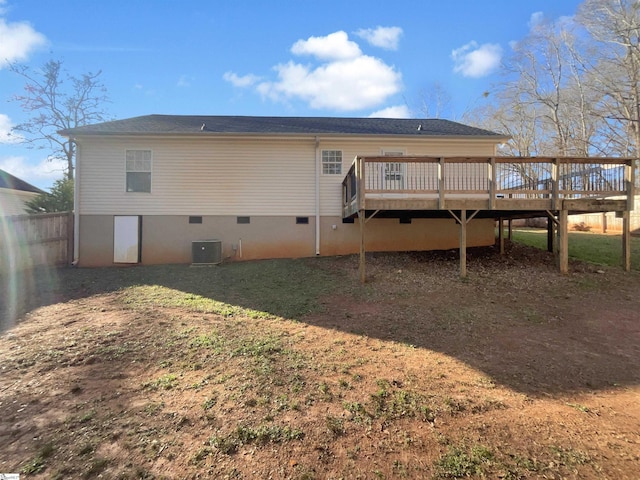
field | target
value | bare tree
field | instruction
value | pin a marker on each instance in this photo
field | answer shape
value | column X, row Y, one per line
column 572, row 87
column 434, row 102
column 547, row 71
column 550, row 102
column 615, row 26
column 582, row 98
column 508, row 114
column 57, row 101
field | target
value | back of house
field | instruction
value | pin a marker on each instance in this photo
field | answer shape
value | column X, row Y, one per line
column 177, row 189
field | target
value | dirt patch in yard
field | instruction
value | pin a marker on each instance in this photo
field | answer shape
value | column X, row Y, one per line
column 515, row 372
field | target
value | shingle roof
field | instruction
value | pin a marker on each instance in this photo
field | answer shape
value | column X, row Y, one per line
column 14, row 183
column 202, row 125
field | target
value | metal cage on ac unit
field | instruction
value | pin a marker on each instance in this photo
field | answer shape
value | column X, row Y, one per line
column 206, row 252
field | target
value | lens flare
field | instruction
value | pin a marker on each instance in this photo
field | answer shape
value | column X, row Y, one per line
column 26, row 278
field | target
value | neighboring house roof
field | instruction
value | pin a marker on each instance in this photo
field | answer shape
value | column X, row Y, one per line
column 14, row 183
column 202, row 125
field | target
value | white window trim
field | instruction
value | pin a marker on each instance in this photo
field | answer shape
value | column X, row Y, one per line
column 322, row 162
column 391, row 152
column 401, row 173
column 138, row 171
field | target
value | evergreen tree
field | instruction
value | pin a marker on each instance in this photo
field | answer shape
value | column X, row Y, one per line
column 59, row 199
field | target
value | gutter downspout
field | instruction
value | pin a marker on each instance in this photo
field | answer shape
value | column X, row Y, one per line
column 76, row 208
column 317, row 195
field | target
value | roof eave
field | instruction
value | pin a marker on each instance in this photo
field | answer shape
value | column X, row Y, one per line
column 493, row 138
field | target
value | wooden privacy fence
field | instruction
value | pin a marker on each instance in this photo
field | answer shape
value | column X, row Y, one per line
column 32, row 240
column 608, row 222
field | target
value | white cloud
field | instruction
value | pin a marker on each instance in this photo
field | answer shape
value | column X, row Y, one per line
column 535, row 19
column 475, row 61
column 17, row 41
column 343, row 79
column 244, row 81
column 353, row 84
column 149, row 92
column 43, row 173
column 384, row 37
column 335, row 46
column 566, row 21
column 397, row 111
column 184, row 81
column 6, row 134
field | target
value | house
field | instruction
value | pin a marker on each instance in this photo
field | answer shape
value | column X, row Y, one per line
column 263, row 187
column 204, row 189
column 14, row 193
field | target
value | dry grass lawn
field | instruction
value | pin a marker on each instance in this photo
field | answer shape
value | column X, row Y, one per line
column 291, row 369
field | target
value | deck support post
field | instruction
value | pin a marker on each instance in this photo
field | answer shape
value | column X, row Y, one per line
column 463, row 220
column 371, row 216
column 362, row 213
column 555, row 188
column 626, row 220
column 626, row 241
column 361, row 266
column 550, row 235
column 501, row 235
column 491, row 175
column 441, row 184
column 463, row 244
column 563, row 241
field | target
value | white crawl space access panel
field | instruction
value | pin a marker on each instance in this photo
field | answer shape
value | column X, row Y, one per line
column 126, row 239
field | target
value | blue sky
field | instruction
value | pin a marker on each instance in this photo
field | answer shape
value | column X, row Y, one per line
column 294, row 58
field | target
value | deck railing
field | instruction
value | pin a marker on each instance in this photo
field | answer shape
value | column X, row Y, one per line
column 488, row 178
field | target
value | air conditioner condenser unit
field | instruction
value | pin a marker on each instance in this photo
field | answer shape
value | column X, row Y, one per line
column 206, row 252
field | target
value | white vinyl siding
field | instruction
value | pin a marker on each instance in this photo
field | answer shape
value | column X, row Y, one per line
column 210, row 176
column 12, row 202
column 233, row 176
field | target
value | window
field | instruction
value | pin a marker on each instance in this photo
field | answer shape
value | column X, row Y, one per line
column 302, row 220
column 138, row 167
column 243, row 220
column 332, row 162
column 195, row 219
column 394, row 171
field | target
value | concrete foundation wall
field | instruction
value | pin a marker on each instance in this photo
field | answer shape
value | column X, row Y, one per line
column 388, row 235
column 168, row 238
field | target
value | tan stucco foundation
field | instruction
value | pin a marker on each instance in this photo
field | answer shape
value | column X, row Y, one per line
column 168, row 238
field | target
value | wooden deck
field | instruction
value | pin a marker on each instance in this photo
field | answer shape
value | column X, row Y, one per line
column 489, row 187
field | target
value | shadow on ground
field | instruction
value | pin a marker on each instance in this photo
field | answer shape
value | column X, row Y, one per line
column 515, row 318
